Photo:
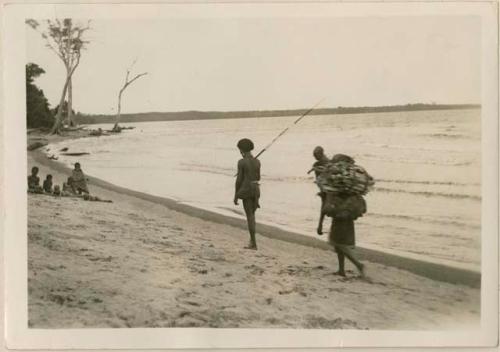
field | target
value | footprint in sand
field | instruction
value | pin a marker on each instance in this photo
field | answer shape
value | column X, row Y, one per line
column 293, row 270
column 211, row 284
column 175, row 228
column 95, row 259
column 189, row 319
column 254, row 269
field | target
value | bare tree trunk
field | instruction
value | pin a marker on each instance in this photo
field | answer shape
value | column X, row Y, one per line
column 70, row 103
column 57, row 123
column 116, row 127
column 118, row 114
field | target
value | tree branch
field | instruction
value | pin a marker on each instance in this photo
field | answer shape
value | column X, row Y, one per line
column 137, row 77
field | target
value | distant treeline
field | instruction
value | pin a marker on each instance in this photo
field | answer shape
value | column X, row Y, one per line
column 204, row 115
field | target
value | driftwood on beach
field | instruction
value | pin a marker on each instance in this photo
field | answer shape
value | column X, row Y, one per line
column 75, row 154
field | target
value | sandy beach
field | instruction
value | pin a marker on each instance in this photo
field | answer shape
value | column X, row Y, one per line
column 134, row 263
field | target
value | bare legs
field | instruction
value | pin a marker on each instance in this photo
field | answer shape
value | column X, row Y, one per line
column 345, row 251
column 250, row 207
column 319, row 230
column 341, row 257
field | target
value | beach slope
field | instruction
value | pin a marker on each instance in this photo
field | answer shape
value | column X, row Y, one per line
column 134, row 263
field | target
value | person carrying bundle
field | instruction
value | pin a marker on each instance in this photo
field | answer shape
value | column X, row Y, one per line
column 321, row 161
column 344, row 184
column 247, row 186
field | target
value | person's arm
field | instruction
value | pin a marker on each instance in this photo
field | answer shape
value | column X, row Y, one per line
column 239, row 181
column 319, row 230
column 258, row 170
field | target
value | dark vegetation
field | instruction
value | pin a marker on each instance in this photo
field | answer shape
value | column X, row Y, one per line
column 38, row 113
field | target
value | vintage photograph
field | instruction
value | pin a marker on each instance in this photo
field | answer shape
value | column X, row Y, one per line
column 254, row 172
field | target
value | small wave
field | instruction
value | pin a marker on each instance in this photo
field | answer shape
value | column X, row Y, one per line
column 441, row 183
column 232, row 171
column 430, row 194
column 290, row 179
column 420, row 219
column 208, row 171
column 448, row 135
column 403, row 160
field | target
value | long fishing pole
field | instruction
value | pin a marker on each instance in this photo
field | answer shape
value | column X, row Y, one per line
column 286, row 129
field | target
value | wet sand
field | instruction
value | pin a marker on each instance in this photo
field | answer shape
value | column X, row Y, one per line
column 135, row 263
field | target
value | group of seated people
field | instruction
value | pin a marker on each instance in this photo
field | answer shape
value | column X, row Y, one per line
column 75, row 186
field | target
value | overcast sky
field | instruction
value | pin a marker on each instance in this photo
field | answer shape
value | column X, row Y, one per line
column 255, row 64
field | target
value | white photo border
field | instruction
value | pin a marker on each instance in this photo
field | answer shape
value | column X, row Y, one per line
column 19, row 336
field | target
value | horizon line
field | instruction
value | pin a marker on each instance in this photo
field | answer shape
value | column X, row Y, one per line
column 340, row 107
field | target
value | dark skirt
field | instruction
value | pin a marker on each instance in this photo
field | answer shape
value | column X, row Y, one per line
column 250, row 190
column 342, row 232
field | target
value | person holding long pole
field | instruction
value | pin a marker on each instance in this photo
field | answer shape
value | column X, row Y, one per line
column 247, row 186
column 248, row 177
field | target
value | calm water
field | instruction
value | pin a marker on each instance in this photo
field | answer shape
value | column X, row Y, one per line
column 427, row 197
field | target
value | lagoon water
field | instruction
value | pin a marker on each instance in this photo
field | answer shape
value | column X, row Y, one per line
column 427, row 167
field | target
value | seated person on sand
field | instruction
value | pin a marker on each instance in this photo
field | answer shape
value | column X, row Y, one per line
column 58, row 193
column 34, row 181
column 79, row 182
column 95, row 199
column 47, row 184
column 68, row 186
column 57, row 190
column 97, row 132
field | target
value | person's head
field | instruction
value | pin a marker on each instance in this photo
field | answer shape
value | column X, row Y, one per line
column 245, row 145
column 34, row 170
column 342, row 157
column 318, row 153
column 57, row 189
column 77, row 166
column 49, row 177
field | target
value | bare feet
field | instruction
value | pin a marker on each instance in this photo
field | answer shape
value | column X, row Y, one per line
column 250, row 246
column 340, row 273
column 362, row 271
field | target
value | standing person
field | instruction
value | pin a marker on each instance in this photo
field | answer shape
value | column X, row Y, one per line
column 321, row 161
column 342, row 235
column 247, row 186
column 79, row 182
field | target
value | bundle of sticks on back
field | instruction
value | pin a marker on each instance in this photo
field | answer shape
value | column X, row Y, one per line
column 344, row 177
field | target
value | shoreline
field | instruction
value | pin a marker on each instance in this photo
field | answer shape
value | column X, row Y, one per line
column 440, row 270
column 89, row 260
